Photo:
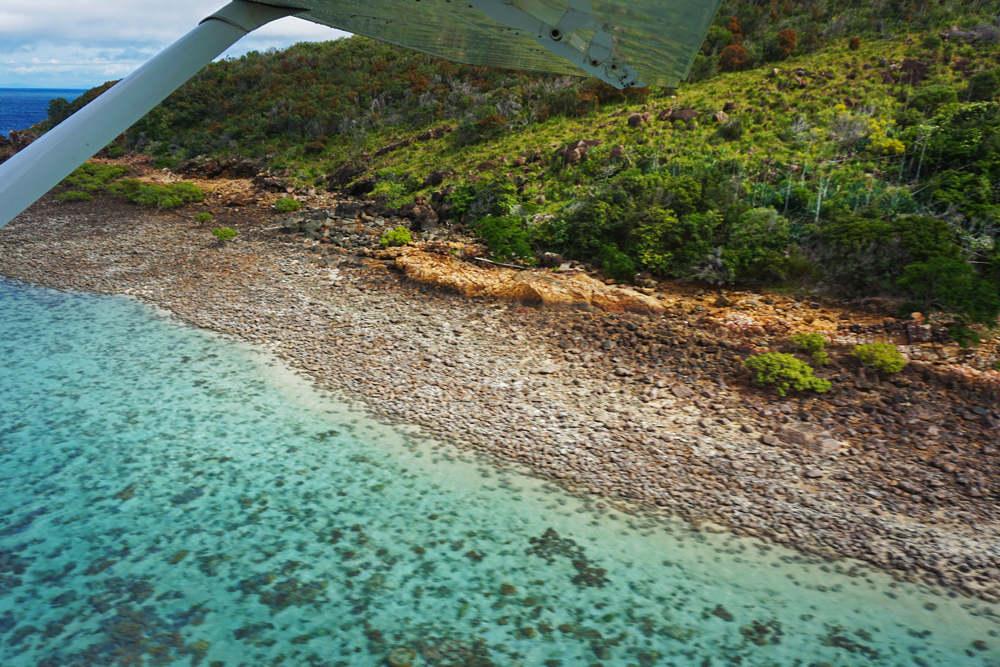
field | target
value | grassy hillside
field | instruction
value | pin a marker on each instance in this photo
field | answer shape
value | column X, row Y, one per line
column 859, row 151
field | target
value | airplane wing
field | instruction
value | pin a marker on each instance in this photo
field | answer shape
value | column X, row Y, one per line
column 625, row 42
column 622, row 42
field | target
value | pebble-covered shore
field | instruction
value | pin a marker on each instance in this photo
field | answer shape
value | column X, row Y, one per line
column 906, row 477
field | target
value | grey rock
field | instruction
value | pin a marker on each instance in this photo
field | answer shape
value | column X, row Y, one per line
column 808, row 437
column 680, row 391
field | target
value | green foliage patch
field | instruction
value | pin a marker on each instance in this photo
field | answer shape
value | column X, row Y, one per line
column 880, row 356
column 785, row 373
column 487, row 197
column 92, row 177
column 814, row 344
column 224, row 233
column 286, row 205
column 172, row 195
column 394, row 237
column 507, row 236
column 75, row 195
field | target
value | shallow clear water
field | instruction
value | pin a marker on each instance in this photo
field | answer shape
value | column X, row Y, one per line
column 173, row 497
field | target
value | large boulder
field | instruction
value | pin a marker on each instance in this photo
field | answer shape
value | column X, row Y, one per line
column 576, row 151
column 435, row 133
column 436, row 178
column 678, row 115
column 346, row 173
column 360, row 187
column 549, row 260
column 348, row 209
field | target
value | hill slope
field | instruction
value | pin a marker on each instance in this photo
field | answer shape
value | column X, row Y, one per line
column 859, row 149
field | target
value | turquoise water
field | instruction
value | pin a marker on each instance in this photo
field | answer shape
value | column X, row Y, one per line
column 171, row 497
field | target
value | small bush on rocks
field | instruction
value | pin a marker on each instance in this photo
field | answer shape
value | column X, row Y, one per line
column 785, row 372
column 394, row 237
column 813, row 343
column 204, row 216
column 286, row 205
column 224, row 233
column 92, row 177
column 173, row 195
column 75, row 195
column 880, row 356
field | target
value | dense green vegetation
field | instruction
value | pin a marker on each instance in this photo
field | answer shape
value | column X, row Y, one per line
column 90, row 179
column 860, row 153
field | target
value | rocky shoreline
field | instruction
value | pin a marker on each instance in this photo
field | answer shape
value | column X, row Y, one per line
column 651, row 413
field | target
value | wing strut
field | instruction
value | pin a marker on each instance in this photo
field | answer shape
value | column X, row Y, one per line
column 35, row 170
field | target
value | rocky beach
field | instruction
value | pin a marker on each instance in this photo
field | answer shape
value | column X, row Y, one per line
column 635, row 398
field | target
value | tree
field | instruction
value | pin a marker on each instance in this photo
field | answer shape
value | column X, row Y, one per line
column 787, row 40
column 734, row 58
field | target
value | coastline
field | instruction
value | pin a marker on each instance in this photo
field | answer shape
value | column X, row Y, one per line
column 501, row 379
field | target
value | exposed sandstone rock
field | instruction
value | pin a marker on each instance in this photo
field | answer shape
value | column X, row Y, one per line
column 577, row 291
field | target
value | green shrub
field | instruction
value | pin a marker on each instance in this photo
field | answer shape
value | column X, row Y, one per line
column 204, row 216
column 75, row 195
column 161, row 196
column 863, row 254
column 952, row 286
column 984, row 86
column 786, row 373
column 391, row 194
column 931, row 41
column 814, row 344
column 931, row 98
column 880, row 356
column 394, row 237
column 656, row 220
column 616, row 263
column 754, row 249
column 507, row 237
column 731, row 130
column 489, row 197
column 93, row 177
column 224, row 233
column 286, row 205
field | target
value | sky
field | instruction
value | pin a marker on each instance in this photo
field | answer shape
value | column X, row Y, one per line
column 83, row 43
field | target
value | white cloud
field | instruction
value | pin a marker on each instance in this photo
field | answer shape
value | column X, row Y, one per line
column 67, row 43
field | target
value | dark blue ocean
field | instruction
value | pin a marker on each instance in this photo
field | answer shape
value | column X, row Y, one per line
column 20, row 108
